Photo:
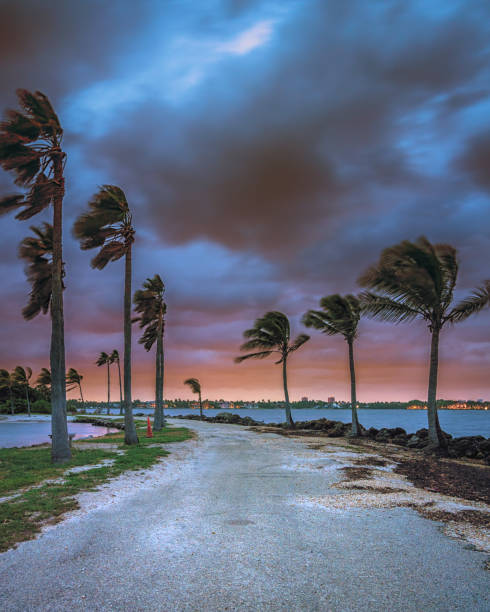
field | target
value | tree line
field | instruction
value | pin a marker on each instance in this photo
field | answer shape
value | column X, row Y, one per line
column 411, row 280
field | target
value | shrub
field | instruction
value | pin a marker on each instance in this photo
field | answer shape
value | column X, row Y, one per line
column 41, row 406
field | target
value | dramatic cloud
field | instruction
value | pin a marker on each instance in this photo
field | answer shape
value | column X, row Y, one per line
column 269, row 150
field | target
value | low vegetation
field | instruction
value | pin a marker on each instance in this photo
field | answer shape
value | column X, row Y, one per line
column 37, row 492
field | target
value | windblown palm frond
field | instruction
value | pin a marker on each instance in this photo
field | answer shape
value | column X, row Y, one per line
column 73, row 379
column 472, row 304
column 103, row 359
column 339, row 315
column 22, row 376
column 44, row 377
column 151, row 309
column 194, row 385
column 29, row 141
column 37, row 252
column 107, row 224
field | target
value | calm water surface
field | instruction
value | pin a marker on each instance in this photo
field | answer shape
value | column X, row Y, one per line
column 456, row 422
column 32, row 431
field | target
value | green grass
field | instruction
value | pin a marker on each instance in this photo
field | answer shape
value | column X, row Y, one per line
column 22, row 518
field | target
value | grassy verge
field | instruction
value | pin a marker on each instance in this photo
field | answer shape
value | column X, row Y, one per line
column 23, row 516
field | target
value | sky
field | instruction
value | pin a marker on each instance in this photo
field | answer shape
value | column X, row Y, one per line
column 269, row 150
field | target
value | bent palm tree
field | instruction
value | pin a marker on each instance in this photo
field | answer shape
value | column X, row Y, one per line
column 102, row 360
column 7, row 381
column 108, row 225
column 151, row 308
column 416, row 280
column 340, row 315
column 22, row 377
column 44, row 378
column 114, row 356
column 74, row 379
column 271, row 334
column 30, row 146
column 195, row 387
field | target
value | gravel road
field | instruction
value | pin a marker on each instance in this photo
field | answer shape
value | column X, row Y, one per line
column 219, row 526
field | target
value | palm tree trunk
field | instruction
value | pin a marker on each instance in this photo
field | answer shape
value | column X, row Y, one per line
column 120, row 388
column 158, row 420
column 60, row 447
column 436, row 436
column 28, row 402
column 162, row 380
column 108, row 388
column 81, row 397
column 289, row 418
column 356, row 429
column 200, row 405
column 130, row 436
column 12, row 409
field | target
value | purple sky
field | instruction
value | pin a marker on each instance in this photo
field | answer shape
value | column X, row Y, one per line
column 269, row 150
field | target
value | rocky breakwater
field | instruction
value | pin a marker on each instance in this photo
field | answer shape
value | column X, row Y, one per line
column 472, row 447
column 99, row 422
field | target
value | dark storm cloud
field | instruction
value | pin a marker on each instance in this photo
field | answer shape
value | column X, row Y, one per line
column 269, row 150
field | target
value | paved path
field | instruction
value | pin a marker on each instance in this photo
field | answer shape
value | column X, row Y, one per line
column 222, row 530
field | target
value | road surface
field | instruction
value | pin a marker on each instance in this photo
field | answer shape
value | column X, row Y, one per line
column 223, row 528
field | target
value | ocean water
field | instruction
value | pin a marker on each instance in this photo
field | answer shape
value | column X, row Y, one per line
column 27, row 432
column 456, row 422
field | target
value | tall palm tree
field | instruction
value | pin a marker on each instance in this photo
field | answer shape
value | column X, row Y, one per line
column 114, row 357
column 416, row 280
column 340, row 315
column 7, row 381
column 151, row 308
column 271, row 334
column 195, row 387
column 102, row 360
column 30, row 146
column 108, row 225
column 74, row 379
column 22, row 376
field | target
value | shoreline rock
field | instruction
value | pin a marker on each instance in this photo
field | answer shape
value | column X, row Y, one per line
column 471, row 447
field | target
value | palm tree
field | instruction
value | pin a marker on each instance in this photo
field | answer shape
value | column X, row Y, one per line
column 416, row 280
column 114, row 357
column 271, row 334
column 108, row 225
column 7, row 381
column 151, row 308
column 340, row 315
column 22, row 377
column 74, row 379
column 105, row 359
column 195, row 387
column 30, row 146
column 43, row 383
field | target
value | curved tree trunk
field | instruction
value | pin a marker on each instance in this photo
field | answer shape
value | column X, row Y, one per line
column 158, row 418
column 289, row 418
column 356, row 429
column 81, row 397
column 60, row 447
column 130, row 436
column 162, row 379
column 28, row 402
column 120, row 388
column 436, row 436
column 108, row 388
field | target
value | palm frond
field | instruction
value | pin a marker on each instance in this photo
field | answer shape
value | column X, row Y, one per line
column 111, row 251
column 472, row 304
column 386, row 309
column 259, row 355
column 300, row 340
column 194, row 384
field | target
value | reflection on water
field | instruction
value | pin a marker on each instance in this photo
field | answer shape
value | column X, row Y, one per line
column 33, row 431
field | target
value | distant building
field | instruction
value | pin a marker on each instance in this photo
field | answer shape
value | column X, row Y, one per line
column 331, row 399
